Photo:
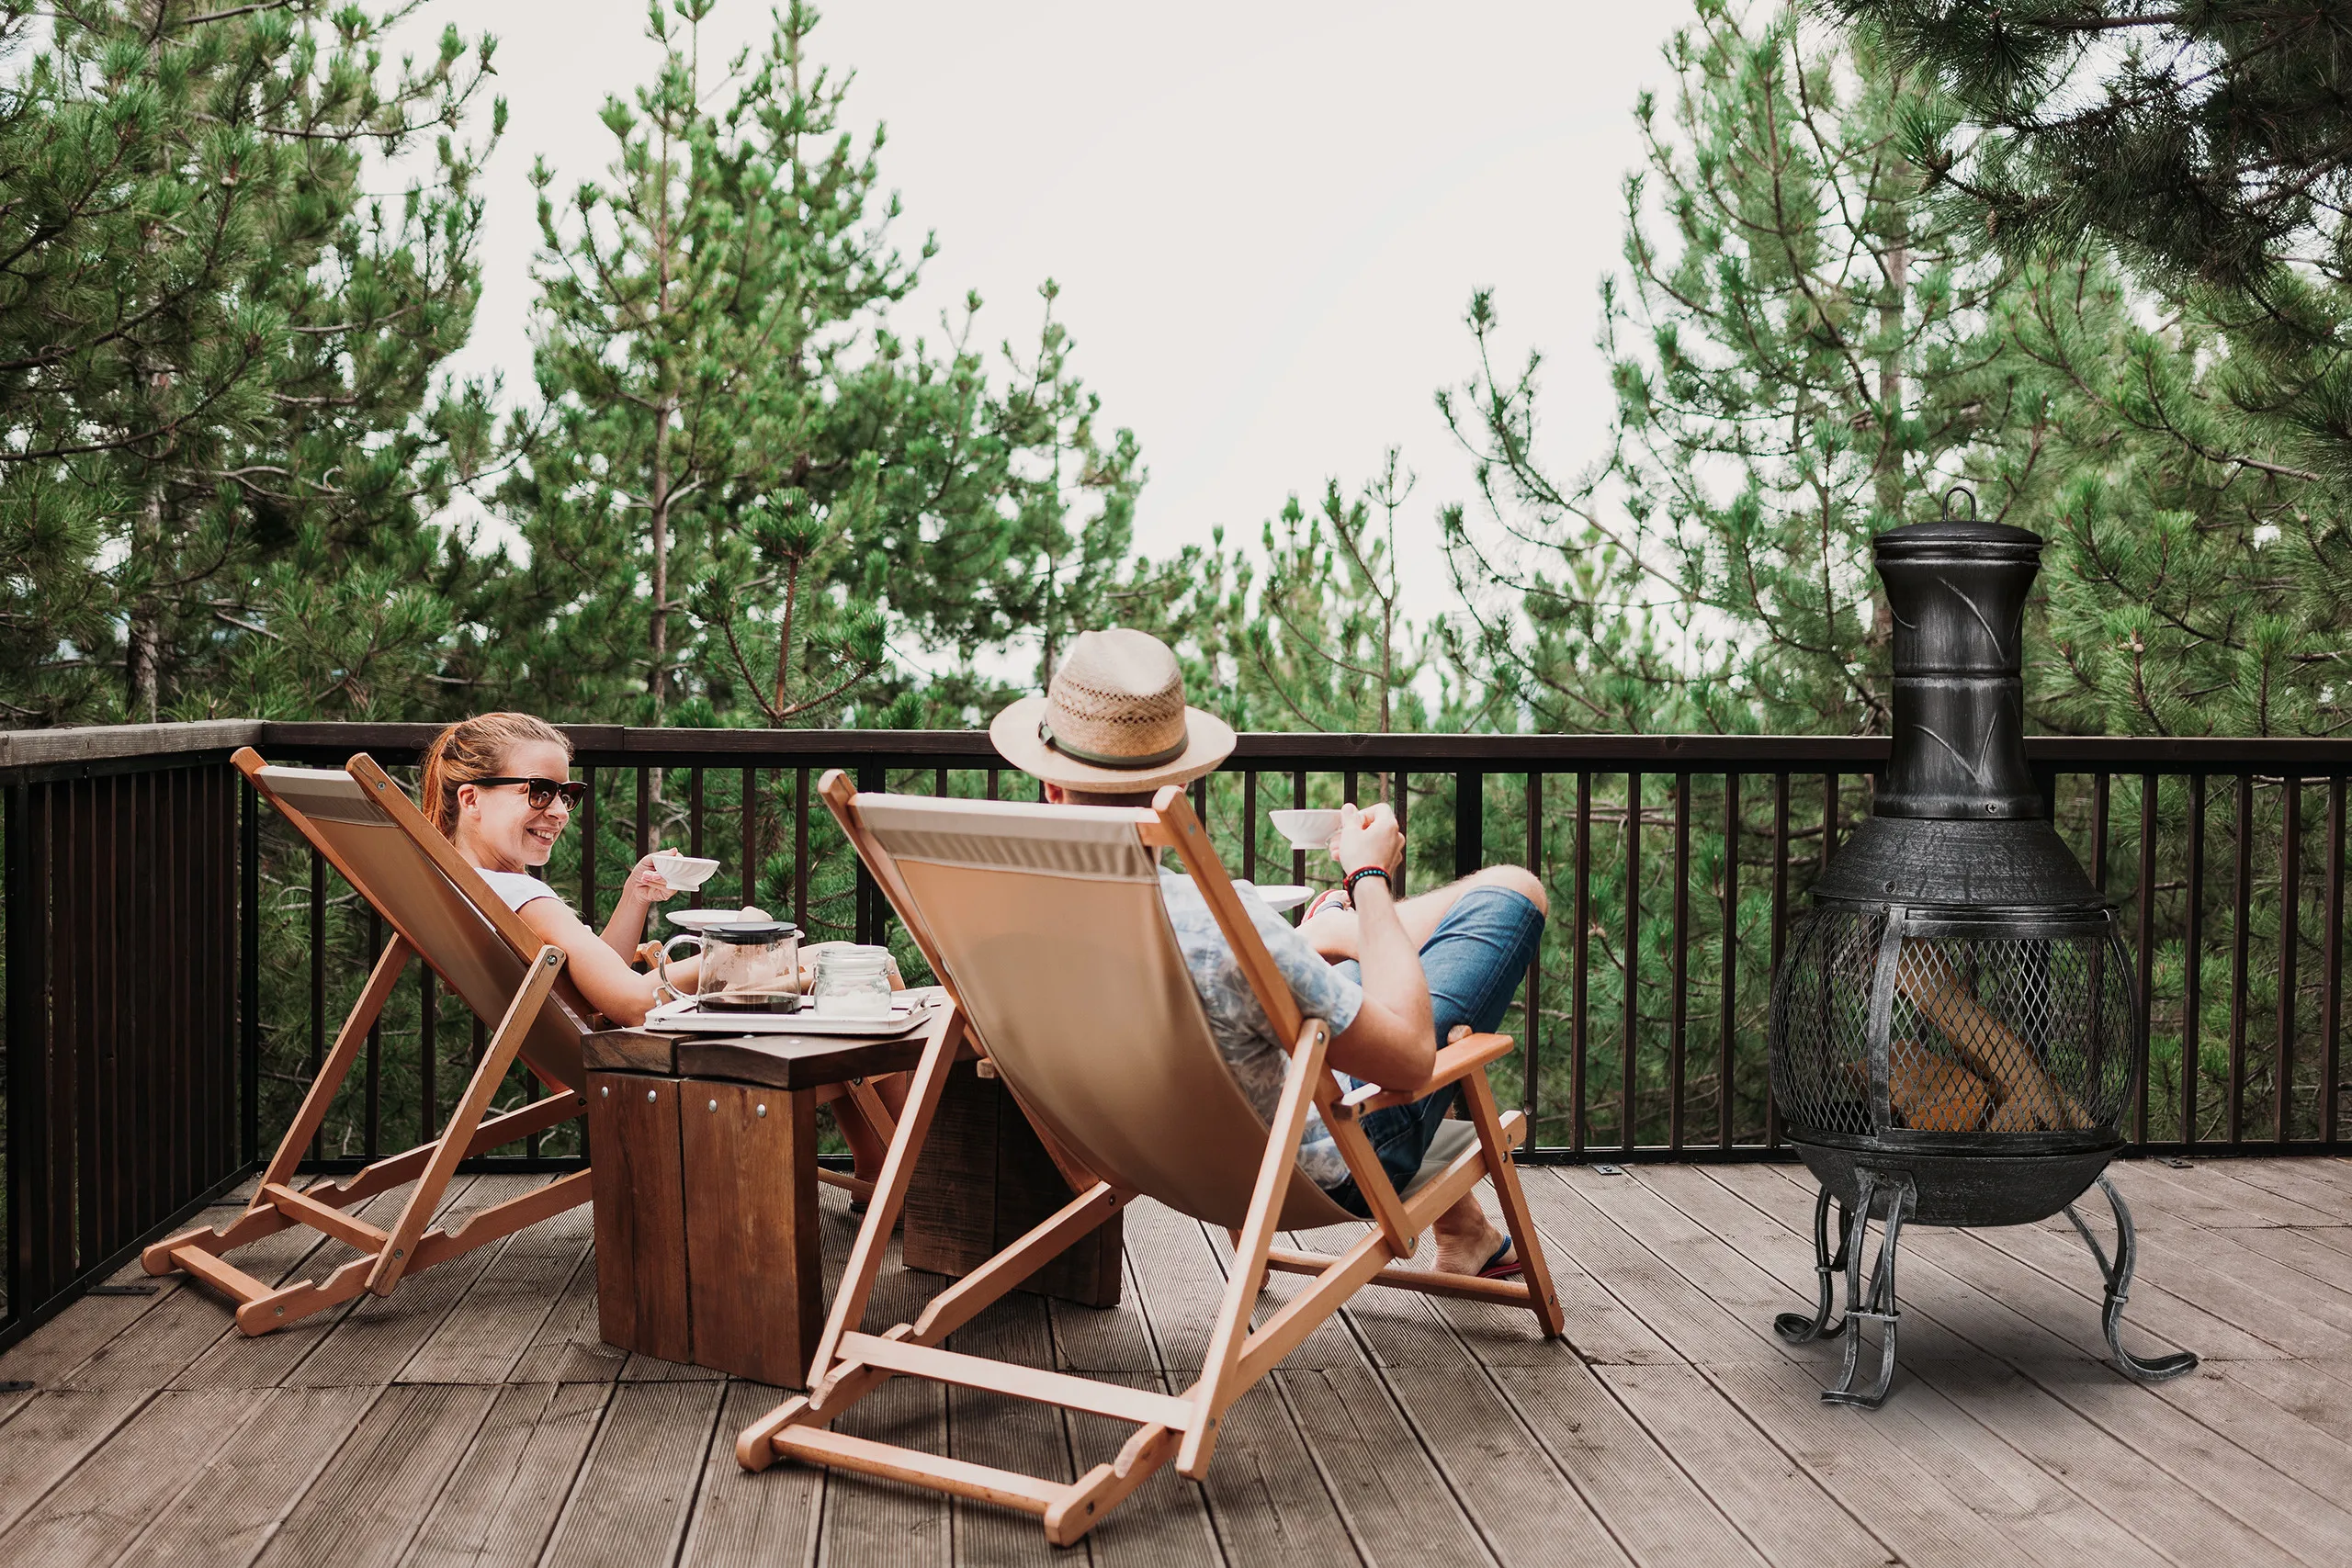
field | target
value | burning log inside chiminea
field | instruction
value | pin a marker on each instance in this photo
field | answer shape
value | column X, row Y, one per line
column 1953, row 1026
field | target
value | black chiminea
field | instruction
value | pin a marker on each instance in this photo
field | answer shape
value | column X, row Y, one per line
column 1952, row 1020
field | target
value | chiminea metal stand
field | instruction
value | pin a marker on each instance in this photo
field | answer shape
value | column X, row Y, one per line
column 1952, row 1020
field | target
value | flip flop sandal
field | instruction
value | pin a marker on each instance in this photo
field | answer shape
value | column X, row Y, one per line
column 1497, row 1269
column 1329, row 899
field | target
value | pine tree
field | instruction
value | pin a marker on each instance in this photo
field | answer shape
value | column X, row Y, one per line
column 224, row 427
column 1802, row 358
column 745, row 484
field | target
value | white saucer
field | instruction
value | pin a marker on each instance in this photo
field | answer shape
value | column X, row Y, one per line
column 703, row 920
column 1279, row 895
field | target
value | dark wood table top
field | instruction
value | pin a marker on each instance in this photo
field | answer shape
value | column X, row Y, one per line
column 772, row 1061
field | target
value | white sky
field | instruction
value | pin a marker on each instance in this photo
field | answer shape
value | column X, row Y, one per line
column 1267, row 219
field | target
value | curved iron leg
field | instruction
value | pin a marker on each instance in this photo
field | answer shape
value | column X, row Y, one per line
column 1794, row 1326
column 2117, row 1274
column 1879, row 1305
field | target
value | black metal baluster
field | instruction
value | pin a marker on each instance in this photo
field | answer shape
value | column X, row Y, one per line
column 1250, row 825
column 749, row 806
column 428, row 1047
column 870, row 908
column 373, row 1124
column 1679, row 1016
column 1632, row 959
column 2147, row 957
column 1727, row 1028
column 644, row 823
column 2193, row 1026
column 2099, row 786
column 800, row 848
column 1779, row 925
column 588, row 848
column 693, row 812
column 1469, row 822
column 2291, row 893
column 2331, row 1007
column 249, row 978
column 1581, row 966
column 2239, row 951
column 1298, row 801
column 1529, row 1085
column 318, row 980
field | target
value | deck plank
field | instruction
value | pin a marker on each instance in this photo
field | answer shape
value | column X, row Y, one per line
column 365, row 1507
column 507, row 1305
column 251, row 1474
column 1516, row 1496
column 1268, row 1502
column 501, row 1502
column 744, row 1520
column 632, row 1498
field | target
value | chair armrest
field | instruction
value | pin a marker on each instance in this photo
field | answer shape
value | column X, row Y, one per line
column 1465, row 1055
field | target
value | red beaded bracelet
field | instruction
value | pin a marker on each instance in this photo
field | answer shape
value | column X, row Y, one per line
column 1350, row 881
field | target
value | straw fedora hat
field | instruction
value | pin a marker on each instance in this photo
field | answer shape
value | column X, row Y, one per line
column 1114, row 720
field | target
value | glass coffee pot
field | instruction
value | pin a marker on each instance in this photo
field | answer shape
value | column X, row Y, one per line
column 751, row 964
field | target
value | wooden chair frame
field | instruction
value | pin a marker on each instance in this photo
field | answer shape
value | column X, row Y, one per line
column 850, row 1364
column 387, row 1255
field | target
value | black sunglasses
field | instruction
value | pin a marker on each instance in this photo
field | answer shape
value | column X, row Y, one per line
column 542, row 791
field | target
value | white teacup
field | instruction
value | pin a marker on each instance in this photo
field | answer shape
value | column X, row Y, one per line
column 684, row 873
column 1308, row 828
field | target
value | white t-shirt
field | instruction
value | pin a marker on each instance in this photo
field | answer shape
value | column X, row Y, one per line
column 516, row 887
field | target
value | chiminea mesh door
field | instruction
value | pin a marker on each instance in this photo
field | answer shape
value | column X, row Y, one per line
column 1928, row 1031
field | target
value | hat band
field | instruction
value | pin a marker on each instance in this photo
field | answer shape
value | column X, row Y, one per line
column 1150, row 760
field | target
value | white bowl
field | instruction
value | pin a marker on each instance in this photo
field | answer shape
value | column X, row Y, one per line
column 1308, row 828
column 685, row 872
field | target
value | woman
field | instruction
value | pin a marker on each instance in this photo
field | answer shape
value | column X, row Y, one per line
column 498, row 785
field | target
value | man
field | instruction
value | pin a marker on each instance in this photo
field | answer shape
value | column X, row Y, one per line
column 1393, row 976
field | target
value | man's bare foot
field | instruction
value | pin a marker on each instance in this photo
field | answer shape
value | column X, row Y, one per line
column 1464, row 1250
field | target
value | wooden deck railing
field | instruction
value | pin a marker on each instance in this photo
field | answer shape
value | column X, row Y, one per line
column 176, row 960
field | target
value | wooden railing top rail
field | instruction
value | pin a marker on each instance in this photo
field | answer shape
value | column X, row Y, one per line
column 610, row 743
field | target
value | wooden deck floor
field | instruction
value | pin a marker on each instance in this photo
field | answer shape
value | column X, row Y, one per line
column 475, row 1418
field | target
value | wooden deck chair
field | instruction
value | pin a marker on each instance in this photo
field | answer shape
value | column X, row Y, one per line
column 442, row 911
column 1046, row 927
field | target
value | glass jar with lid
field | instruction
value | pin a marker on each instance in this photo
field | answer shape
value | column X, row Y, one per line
column 852, row 982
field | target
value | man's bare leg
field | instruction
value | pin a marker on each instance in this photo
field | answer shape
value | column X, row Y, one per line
column 1333, row 932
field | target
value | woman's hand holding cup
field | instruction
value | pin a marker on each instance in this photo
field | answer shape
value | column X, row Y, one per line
column 645, row 879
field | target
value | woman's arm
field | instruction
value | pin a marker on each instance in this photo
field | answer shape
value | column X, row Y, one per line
column 604, row 977
column 626, row 930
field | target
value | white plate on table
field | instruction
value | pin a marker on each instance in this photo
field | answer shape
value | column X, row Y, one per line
column 1279, row 895
column 683, row 1018
column 703, row 920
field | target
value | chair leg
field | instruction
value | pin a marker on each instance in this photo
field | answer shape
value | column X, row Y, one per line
column 1542, row 1299
column 393, row 1261
column 1213, row 1391
column 260, row 1216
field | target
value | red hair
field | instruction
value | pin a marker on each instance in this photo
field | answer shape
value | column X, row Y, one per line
column 472, row 749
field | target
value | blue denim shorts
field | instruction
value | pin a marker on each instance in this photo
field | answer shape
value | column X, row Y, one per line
column 1474, row 961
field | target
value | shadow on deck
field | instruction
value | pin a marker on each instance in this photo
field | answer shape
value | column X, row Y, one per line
column 476, row 1418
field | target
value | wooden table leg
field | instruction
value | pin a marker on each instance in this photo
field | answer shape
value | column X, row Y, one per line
column 750, row 1164
column 640, row 1223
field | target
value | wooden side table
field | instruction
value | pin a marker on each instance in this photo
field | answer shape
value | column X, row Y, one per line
column 702, row 1155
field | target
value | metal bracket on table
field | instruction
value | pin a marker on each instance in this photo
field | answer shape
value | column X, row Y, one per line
column 2117, row 1274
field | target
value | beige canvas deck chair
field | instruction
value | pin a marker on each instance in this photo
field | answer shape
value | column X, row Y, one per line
column 442, row 911
column 1045, row 925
